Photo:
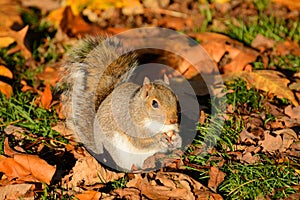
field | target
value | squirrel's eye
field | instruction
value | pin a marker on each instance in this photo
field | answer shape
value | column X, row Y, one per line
column 154, row 104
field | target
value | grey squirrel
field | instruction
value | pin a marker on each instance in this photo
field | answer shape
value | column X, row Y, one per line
column 121, row 123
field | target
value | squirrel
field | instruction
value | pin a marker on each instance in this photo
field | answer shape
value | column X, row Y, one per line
column 121, row 123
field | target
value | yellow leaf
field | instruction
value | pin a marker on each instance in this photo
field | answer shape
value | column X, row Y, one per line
column 266, row 80
column 78, row 5
column 6, row 41
column 56, row 16
column 221, row 1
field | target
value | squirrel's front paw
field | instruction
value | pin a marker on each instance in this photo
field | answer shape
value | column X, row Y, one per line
column 172, row 140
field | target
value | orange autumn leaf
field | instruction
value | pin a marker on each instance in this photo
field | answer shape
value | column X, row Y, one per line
column 38, row 167
column 46, row 97
column 50, row 76
column 25, row 167
column 5, row 88
column 88, row 195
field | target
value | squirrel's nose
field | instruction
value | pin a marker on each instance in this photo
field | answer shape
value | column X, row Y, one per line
column 172, row 120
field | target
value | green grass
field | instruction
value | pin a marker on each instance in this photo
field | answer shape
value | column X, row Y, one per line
column 252, row 181
column 240, row 96
column 242, row 181
column 246, row 29
column 20, row 110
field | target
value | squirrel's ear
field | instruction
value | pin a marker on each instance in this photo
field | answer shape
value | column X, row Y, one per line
column 146, row 81
column 166, row 79
column 146, row 87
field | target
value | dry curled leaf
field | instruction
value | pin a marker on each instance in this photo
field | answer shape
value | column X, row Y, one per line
column 216, row 177
column 167, row 185
column 293, row 112
column 19, row 37
column 271, row 143
column 219, row 46
column 88, row 170
column 17, row 191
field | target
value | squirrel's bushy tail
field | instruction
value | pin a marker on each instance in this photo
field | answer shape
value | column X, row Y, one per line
column 93, row 70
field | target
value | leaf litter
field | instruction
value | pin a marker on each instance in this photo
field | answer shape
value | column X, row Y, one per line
column 85, row 177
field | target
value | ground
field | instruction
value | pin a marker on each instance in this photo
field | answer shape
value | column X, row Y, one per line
column 247, row 144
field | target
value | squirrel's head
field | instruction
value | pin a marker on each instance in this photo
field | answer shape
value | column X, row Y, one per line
column 160, row 102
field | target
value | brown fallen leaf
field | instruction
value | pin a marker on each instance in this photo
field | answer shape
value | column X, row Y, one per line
column 249, row 158
column 127, row 193
column 19, row 37
column 9, row 151
column 293, row 112
column 17, row 191
column 74, row 25
column 45, row 5
column 9, row 13
column 271, row 143
column 183, row 186
column 216, row 176
column 262, row 43
column 288, row 137
column 267, row 80
column 87, row 170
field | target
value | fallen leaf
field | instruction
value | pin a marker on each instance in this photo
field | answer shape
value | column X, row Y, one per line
column 262, row 43
column 288, row 137
column 38, row 167
column 46, row 97
column 291, row 4
column 249, row 158
column 26, row 167
column 17, row 191
column 287, row 47
column 55, row 16
column 45, row 5
column 19, row 37
column 87, row 170
column 293, row 112
column 9, row 13
column 271, row 143
column 5, row 88
column 50, row 76
column 267, row 80
column 17, row 132
column 6, row 41
column 89, row 195
column 74, row 25
column 218, row 45
column 128, row 193
column 184, row 187
column 216, row 177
